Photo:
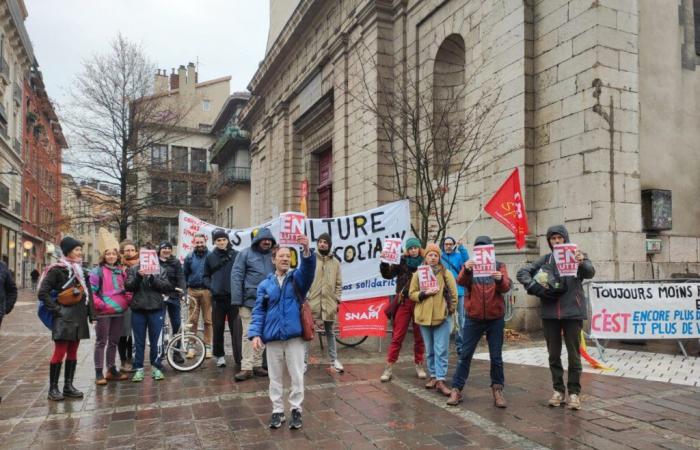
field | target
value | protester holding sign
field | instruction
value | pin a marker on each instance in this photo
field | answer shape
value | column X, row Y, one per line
column 176, row 277
column 276, row 322
column 63, row 290
column 435, row 303
column 402, row 308
column 454, row 255
column 324, row 296
column 252, row 266
column 485, row 308
column 563, row 311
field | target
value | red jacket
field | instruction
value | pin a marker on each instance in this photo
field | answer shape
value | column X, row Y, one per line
column 485, row 300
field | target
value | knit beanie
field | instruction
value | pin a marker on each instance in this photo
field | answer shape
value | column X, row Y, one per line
column 483, row 240
column 432, row 247
column 326, row 237
column 412, row 242
column 218, row 234
column 68, row 244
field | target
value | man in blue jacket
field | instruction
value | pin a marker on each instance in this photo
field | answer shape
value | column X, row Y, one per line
column 252, row 266
column 194, row 277
column 454, row 255
column 276, row 323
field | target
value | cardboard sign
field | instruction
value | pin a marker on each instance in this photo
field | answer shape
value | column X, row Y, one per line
column 391, row 253
column 148, row 261
column 427, row 278
column 291, row 226
column 484, row 260
column 565, row 258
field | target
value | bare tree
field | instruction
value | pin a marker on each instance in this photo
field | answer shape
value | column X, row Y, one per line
column 114, row 119
column 433, row 137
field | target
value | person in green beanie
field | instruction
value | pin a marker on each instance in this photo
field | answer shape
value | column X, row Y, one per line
column 403, row 308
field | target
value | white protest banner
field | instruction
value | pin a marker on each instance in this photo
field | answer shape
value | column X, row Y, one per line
column 391, row 253
column 148, row 261
column 426, row 278
column 358, row 240
column 659, row 310
column 565, row 258
column 484, row 260
column 291, row 226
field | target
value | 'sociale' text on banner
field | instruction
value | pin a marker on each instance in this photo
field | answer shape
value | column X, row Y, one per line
column 659, row 310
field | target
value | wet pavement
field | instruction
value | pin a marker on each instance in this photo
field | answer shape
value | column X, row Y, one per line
column 353, row 410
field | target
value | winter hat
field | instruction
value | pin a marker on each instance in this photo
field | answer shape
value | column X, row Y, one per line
column 218, row 233
column 68, row 244
column 483, row 240
column 412, row 242
column 106, row 241
column 326, row 237
column 448, row 238
column 432, row 247
column 164, row 244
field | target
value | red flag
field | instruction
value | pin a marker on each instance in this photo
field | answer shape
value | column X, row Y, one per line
column 508, row 207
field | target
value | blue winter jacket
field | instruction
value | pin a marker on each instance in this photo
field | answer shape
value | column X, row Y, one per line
column 280, row 320
column 194, row 269
column 454, row 261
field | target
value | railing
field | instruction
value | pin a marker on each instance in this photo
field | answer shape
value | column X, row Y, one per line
column 230, row 176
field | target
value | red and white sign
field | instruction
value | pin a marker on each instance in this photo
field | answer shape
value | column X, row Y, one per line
column 391, row 253
column 291, row 226
column 148, row 261
column 565, row 258
column 363, row 317
column 484, row 260
column 427, row 278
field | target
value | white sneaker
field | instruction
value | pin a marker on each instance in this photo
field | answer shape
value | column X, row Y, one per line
column 420, row 372
column 574, row 402
column 557, row 399
column 386, row 375
column 337, row 366
column 207, row 353
column 220, row 362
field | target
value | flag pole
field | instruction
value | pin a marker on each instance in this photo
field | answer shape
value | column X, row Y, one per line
column 464, row 233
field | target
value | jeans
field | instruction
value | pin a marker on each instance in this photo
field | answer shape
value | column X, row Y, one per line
column 222, row 311
column 471, row 334
column 107, row 333
column 172, row 305
column 403, row 318
column 571, row 329
column 151, row 321
column 459, row 339
column 437, row 341
column 330, row 341
column 289, row 354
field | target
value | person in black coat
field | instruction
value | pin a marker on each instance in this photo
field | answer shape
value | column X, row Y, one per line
column 64, row 292
column 8, row 291
column 176, row 278
column 34, row 275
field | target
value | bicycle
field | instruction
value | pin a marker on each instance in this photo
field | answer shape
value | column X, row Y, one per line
column 182, row 342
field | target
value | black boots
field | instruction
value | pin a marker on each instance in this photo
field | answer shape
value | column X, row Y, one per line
column 68, row 389
column 54, row 373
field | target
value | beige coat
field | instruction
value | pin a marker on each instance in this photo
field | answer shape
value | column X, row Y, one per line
column 324, row 294
column 432, row 310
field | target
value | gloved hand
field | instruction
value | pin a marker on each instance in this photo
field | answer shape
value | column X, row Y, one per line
column 537, row 290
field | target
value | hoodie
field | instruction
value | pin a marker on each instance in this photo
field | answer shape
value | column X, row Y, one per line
column 455, row 260
column 571, row 304
column 252, row 266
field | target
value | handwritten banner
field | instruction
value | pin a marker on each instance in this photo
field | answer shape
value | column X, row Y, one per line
column 663, row 310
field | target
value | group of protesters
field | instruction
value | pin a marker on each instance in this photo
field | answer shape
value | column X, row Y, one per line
column 259, row 295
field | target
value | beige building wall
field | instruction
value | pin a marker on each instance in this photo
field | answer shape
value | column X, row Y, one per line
column 233, row 208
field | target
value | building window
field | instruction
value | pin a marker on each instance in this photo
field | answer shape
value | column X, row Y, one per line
column 159, row 192
column 179, row 192
column 199, row 194
column 199, row 160
column 159, row 156
column 27, row 205
column 206, row 105
column 179, row 162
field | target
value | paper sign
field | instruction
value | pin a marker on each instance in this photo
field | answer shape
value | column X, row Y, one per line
column 391, row 253
column 484, row 260
column 565, row 258
column 291, row 226
column 148, row 261
column 427, row 278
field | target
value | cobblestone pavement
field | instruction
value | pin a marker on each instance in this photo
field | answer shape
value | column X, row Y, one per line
column 207, row 409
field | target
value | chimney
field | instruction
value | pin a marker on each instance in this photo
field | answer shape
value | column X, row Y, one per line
column 182, row 76
column 191, row 73
column 160, row 84
column 174, row 80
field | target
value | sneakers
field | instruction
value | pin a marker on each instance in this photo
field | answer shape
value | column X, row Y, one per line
column 208, row 353
column 386, row 375
column 277, row 420
column 156, row 374
column 177, row 357
column 574, row 402
column 191, row 354
column 420, row 372
column 138, row 376
column 337, row 366
column 220, row 361
column 295, row 423
column 557, row 399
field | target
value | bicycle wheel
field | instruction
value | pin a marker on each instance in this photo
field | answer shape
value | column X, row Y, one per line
column 351, row 341
column 181, row 345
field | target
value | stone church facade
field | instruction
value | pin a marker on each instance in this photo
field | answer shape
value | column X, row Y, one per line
column 598, row 103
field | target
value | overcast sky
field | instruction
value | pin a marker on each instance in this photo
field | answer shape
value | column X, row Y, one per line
column 227, row 36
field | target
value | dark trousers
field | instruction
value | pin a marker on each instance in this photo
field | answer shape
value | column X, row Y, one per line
column 471, row 334
column 223, row 311
column 571, row 330
column 172, row 305
column 150, row 322
column 125, row 348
